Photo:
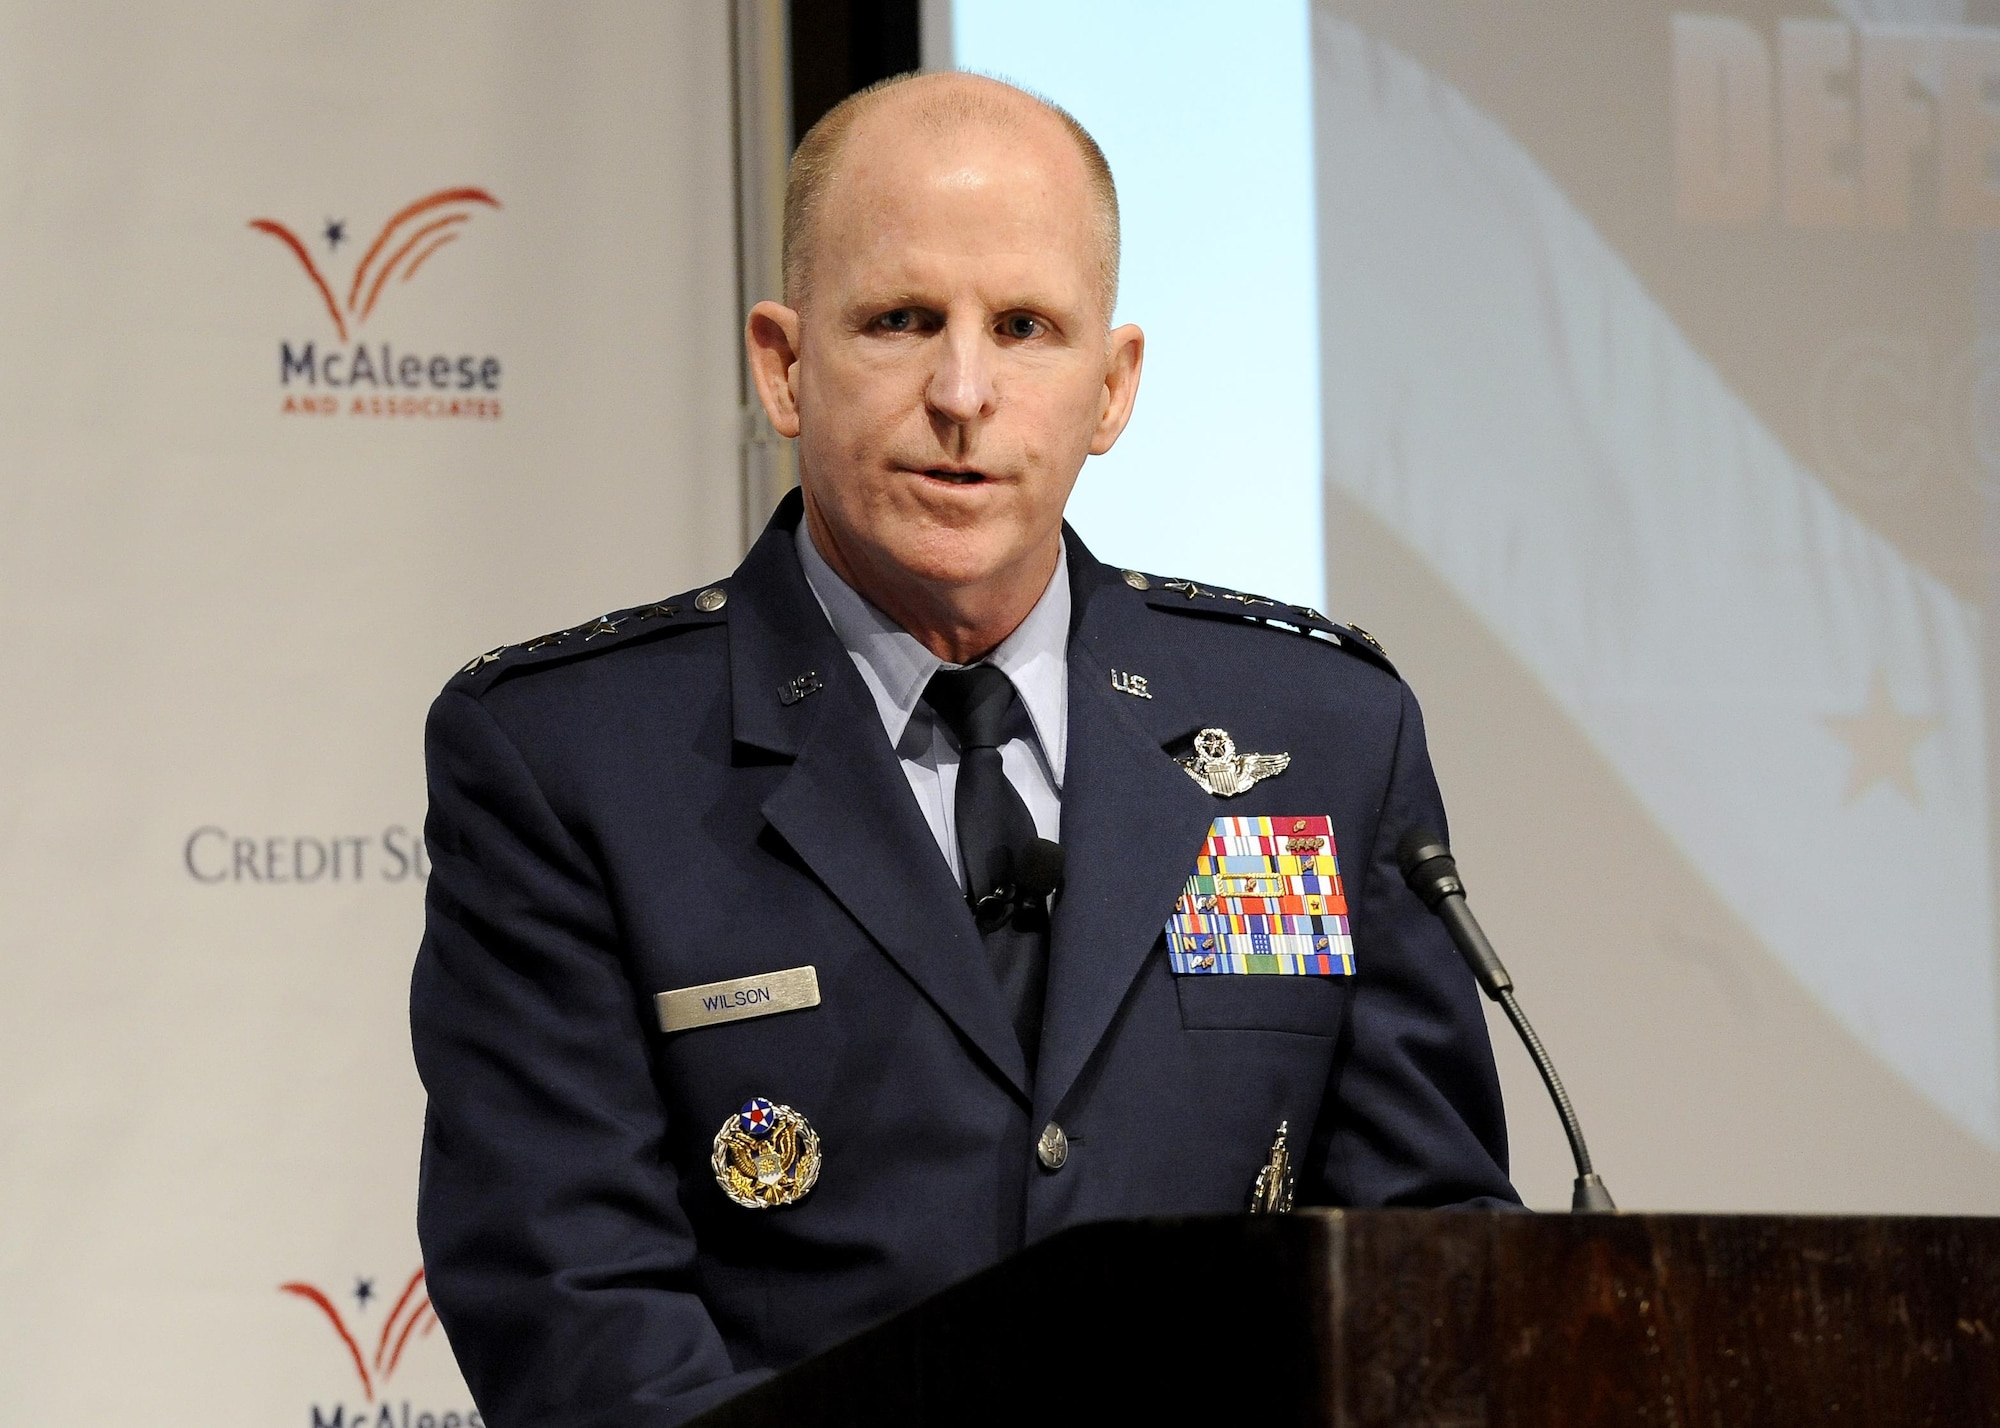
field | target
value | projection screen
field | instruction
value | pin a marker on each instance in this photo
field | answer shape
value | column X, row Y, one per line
column 1634, row 374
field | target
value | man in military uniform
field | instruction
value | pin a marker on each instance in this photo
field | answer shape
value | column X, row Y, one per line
column 801, row 944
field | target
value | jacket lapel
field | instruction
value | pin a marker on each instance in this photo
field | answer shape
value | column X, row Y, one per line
column 1132, row 822
column 845, row 807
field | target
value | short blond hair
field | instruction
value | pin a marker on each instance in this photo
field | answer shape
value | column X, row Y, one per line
column 818, row 155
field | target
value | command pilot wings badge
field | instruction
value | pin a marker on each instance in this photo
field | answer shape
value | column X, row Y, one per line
column 1217, row 767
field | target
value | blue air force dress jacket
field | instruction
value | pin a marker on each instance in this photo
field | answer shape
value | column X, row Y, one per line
column 701, row 789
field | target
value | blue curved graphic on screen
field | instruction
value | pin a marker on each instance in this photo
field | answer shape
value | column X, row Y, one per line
column 1798, row 705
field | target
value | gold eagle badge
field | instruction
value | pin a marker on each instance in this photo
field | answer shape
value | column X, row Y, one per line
column 765, row 1155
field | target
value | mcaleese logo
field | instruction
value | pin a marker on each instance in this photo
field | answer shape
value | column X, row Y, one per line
column 346, row 376
column 374, row 1356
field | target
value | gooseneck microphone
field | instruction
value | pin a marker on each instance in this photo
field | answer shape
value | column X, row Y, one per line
column 1432, row 874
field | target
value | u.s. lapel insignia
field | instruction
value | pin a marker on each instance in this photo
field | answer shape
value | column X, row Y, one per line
column 798, row 687
column 1271, row 1191
column 1217, row 767
column 765, row 1155
column 1132, row 684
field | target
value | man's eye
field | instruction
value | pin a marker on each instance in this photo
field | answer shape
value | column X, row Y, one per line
column 1020, row 325
column 901, row 320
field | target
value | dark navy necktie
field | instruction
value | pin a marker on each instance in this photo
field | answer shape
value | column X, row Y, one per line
column 978, row 705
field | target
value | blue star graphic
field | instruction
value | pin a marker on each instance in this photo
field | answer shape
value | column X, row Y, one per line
column 364, row 1290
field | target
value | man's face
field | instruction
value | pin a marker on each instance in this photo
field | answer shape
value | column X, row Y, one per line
column 953, row 367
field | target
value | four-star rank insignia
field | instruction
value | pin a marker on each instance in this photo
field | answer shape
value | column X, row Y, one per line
column 1217, row 767
column 765, row 1155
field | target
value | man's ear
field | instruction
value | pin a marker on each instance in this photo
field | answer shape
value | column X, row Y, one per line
column 771, row 339
column 1121, row 386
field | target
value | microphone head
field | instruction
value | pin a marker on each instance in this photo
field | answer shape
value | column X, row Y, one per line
column 1428, row 866
column 1038, row 868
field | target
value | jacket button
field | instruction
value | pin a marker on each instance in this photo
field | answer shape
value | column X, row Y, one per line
column 1053, row 1148
column 711, row 600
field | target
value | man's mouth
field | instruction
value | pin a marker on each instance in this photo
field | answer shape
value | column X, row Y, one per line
column 955, row 475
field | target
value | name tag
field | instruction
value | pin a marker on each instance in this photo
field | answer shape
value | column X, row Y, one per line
column 793, row 989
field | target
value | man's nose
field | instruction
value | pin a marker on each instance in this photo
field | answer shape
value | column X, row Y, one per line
column 961, row 387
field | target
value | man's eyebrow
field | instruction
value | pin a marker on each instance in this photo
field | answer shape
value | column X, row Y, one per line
column 1030, row 302
column 892, row 299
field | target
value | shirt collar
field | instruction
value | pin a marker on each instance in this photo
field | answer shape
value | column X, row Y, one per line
column 895, row 667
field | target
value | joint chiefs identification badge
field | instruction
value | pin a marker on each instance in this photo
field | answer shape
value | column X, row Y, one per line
column 765, row 1155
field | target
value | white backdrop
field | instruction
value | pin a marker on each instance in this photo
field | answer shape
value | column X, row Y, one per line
column 223, row 620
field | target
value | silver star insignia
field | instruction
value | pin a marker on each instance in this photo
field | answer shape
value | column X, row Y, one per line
column 477, row 660
column 602, row 625
column 1373, row 643
column 1217, row 767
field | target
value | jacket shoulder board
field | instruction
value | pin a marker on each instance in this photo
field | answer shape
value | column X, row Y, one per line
column 1186, row 597
column 708, row 605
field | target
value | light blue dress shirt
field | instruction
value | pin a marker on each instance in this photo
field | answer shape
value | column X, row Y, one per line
column 896, row 668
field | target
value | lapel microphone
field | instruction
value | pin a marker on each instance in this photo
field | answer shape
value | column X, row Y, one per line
column 1037, row 872
column 1432, row 874
column 1038, row 869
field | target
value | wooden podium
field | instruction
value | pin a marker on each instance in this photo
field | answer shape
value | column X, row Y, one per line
column 1357, row 1319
